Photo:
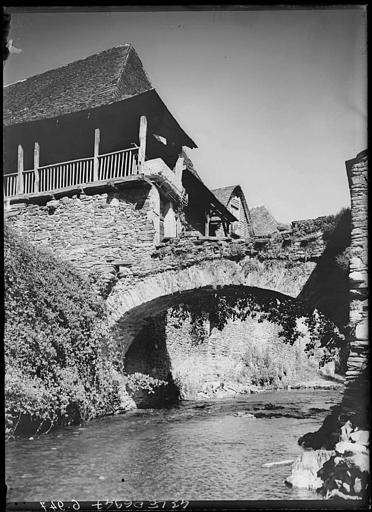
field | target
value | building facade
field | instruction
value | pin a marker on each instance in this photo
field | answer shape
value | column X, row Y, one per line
column 234, row 199
column 96, row 125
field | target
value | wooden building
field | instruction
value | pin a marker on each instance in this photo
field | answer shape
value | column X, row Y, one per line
column 97, row 123
column 234, row 200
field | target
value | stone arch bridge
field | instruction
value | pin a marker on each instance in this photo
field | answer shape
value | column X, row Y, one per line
column 196, row 270
column 110, row 233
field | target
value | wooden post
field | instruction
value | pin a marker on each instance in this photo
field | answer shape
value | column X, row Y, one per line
column 207, row 224
column 142, row 141
column 97, row 138
column 36, row 165
column 179, row 168
column 20, row 188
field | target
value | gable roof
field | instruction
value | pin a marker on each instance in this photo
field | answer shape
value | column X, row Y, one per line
column 263, row 221
column 104, row 78
column 224, row 194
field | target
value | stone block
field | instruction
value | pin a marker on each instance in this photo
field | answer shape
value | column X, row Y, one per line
column 360, row 436
column 361, row 330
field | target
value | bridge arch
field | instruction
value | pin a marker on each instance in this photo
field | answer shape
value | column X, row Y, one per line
column 131, row 304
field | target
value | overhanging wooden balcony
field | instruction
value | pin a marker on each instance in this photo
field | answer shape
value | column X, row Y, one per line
column 64, row 175
column 98, row 170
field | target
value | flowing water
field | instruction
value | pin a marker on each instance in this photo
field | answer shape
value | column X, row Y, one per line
column 193, row 451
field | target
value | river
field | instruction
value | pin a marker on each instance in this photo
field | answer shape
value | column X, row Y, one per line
column 193, row 451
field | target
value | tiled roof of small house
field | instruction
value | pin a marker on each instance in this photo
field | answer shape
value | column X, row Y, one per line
column 104, row 78
column 223, row 194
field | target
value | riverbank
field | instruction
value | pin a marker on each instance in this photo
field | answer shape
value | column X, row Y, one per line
column 221, row 390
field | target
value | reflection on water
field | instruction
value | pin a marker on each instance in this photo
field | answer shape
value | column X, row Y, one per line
column 195, row 451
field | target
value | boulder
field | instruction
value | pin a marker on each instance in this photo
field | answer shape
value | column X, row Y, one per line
column 345, row 447
column 336, row 493
column 360, row 461
column 346, row 431
column 360, row 437
column 305, row 469
column 244, row 414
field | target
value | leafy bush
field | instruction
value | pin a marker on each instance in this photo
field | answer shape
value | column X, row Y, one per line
column 245, row 354
column 59, row 358
column 326, row 224
column 141, row 381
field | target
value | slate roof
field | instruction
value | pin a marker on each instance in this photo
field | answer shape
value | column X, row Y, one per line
column 223, row 194
column 263, row 222
column 101, row 79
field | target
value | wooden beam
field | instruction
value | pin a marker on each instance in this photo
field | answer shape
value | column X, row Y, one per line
column 206, row 233
column 36, row 166
column 179, row 167
column 20, row 187
column 97, row 138
column 142, row 142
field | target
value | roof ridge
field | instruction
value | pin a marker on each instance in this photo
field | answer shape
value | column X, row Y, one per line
column 131, row 48
column 227, row 186
column 71, row 63
column 16, row 82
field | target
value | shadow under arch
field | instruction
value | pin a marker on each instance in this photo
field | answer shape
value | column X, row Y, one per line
column 133, row 321
column 141, row 332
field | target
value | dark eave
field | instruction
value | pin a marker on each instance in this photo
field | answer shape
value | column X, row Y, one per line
column 150, row 97
column 208, row 195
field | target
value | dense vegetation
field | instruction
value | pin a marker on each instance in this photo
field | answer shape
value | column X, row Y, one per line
column 244, row 356
column 325, row 224
column 258, row 340
column 61, row 366
column 261, row 305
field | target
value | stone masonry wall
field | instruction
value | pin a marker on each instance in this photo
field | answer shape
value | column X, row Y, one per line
column 239, row 359
column 356, row 392
column 93, row 231
column 116, row 233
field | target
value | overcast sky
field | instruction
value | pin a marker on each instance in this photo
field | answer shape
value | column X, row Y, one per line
column 275, row 100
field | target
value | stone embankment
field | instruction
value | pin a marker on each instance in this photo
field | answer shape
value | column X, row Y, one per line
column 346, row 474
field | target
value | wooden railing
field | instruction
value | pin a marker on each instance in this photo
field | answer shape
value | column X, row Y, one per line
column 117, row 164
column 66, row 174
column 73, row 173
column 28, row 181
column 10, row 184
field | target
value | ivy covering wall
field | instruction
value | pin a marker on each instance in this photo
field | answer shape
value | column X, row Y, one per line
column 61, row 366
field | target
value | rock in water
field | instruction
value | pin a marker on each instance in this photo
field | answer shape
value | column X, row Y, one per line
column 243, row 414
column 360, row 437
column 305, row 469
column 346, row 431
column 344, row 447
